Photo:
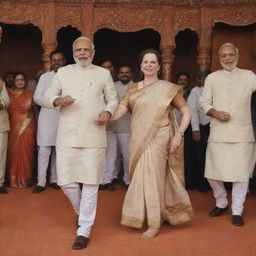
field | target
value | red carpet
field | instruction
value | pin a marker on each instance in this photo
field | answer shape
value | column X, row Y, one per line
column 44, row 225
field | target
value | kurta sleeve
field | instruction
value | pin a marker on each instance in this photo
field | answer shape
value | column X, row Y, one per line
column 253, row 81
column 206, row 98
column 193, row 105
column 39, row 92
column 110, row 96
column 52, row 93
column 4, row 98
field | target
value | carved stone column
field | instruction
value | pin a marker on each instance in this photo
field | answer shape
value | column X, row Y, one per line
column 88, row 21
column 49, row 34
column 48, row 48
column 167, row 42
column 167, row 60
column 204, row 51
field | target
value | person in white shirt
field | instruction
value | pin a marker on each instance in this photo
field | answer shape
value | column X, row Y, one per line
column 47, row 127
column 122, row 133
column 230, row 154
column 200, row 131
column 86, row 96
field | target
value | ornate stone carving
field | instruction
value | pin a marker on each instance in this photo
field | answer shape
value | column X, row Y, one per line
column 204, row 58
column 167, row 60
column 68, row 15
column 187, row 18
column 21, row 13
column 127, row 19
column 48, row 48
column 238, row 16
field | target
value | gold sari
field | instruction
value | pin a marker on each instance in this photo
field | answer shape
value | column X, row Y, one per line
column 156, row 192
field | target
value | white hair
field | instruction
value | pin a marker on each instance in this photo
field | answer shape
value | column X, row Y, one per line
column 82, row 38
column 231, row 45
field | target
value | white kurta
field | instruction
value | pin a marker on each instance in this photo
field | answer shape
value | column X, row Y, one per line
column 230, row 152
column 80, row 142
column 48, row 118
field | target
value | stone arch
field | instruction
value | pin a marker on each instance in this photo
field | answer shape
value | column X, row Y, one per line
column 65, row 38
column 186, row 54
column 21, row 49
column 124, row 47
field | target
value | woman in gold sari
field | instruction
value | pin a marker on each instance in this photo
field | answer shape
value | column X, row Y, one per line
column 156, row 192
column 21, row 142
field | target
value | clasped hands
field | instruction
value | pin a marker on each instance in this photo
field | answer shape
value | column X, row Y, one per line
column 175, row 143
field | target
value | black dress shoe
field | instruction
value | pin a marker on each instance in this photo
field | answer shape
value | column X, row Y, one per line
column 80, row 243
column 38, row 189
column 54, row 185
column 101, row 187
column 110, row 187
column 3, row 190
column 237, row 220
column 217, row 211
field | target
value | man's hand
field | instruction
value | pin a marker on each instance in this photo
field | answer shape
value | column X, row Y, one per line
column 196, row 135
column 63, row 101
column 103, row 118
column 222, row 116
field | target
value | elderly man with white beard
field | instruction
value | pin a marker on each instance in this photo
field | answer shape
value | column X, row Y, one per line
column 86, row 96
column 230, row 154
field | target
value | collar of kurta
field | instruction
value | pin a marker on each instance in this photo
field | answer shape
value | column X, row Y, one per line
column 82, row 69
column 233, row 71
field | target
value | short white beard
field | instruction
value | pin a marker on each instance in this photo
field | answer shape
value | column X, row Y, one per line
column 228, row 67
column 83, row 63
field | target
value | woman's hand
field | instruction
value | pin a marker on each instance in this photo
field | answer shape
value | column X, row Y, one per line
column 175, row 142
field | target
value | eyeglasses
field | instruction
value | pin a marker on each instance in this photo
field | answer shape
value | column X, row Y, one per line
column 224, row 55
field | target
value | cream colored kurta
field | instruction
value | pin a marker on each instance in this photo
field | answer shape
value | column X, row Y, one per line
column 78, row 136
column 230, row 153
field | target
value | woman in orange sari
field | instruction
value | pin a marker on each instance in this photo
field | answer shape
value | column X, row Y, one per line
column 156, row 192
column 21, row 142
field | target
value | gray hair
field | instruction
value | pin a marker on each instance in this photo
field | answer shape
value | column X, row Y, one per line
column 82, row 38
column 231, row 45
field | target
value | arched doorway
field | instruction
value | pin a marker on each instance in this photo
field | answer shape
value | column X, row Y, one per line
column 20, row 49
column 124, row 47
column 65, row 38
column 186, row 55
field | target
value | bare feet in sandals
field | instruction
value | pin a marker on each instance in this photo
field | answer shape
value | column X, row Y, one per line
column 150, row 233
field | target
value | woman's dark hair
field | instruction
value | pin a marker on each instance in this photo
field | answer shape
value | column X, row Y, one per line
column 150, row 50
column 16, row 74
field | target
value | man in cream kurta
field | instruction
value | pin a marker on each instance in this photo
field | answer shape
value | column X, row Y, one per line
column 47, row 127
column 230, row 152
column 86, row 96
column 4, row 128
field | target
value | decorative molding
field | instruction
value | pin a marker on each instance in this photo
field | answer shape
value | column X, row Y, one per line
column 237, row 16
column 68, row 15
column 127, row 19
column 187, row 18
column 22, row 13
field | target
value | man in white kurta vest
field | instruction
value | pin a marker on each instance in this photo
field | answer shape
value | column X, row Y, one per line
column 230, row 152
column 47, row 127
column 86, row 96
column 4, row 128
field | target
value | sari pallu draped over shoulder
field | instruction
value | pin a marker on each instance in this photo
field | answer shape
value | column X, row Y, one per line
column 149, row 105
column 21, row 141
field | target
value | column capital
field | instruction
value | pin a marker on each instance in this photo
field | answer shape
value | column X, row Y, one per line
column 48, row 48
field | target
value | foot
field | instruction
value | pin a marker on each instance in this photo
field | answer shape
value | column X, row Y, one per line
column 38, row 189
column 110, row 187
column 80, row 243
column 3, row 190
column 217, row 211
column 237, row 220
column 54, row 185
column 101, row 187
column 150, row 233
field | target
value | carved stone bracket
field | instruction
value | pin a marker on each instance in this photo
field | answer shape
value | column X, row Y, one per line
column 244, row 15
column 204, row 58
column 48, row 48
column 167, row 60
column 128, row 18
column 187, row 18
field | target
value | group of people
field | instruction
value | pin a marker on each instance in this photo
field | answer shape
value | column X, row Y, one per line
column 84, row 100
